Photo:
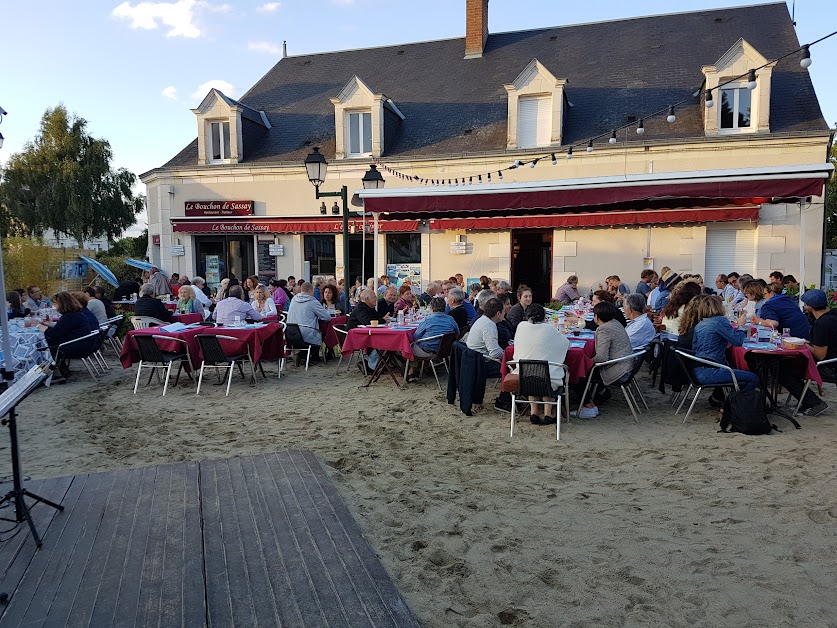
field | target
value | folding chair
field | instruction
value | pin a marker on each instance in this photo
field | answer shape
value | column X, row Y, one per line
column 685, row 359
column 535, row 381
column 112, row 326
column 215, row 358
column 295, row 343
column 73, row 349
column 624, row 386
column 438, row 358
column 144, row 322
column 808, row 383
column 152, row 357
column 342, row 333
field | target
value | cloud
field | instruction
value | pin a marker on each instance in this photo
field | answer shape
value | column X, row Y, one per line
column 267, row 47
column 178, row 16
column 269, row 7
column 227, row 88
column 170, row 92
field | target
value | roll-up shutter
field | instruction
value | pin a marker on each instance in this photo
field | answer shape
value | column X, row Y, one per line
column 534, row 121
column 729, row 247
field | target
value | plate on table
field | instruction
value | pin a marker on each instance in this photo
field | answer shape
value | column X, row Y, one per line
column 577, row 344
column 403, row 328
column 760, row 346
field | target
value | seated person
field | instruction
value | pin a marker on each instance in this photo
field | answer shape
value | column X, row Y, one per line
column 754, row 292
column 568, row 292
column 535, row 340
column 187, row 303
column 640, row 328
column 125, row 289
column 616, row 287
column 612, row 342
column 110, row 311
column 505, row 331
column 36, row 300
column 92, row 321
column 517, row 313
column 234, row 306
column 782, row 312
column 603, row 296
column 364, row 312
column 407, row 300
column 483, row 339
column 149, row 305
column 263, row 302
column 667, row 284
column 386, row 305
column 482, row 297
column 16, row 308
column 331, row 300
column 457, row 307
column 672, row 313
column 307, row 312
column 436, row 323
column 433, row 288
column 73, row 324
column 95, row 305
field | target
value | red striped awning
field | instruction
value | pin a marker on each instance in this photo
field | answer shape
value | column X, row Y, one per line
column 600, row 219
column 251, row 225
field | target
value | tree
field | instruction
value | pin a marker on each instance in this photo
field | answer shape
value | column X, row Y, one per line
column 831, row 203
column 64, row 181
column 128, row 247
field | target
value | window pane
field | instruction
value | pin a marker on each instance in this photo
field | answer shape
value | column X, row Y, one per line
column 727, row 107
column 320, row 252
column 367, row 132
column 226, row 126
column 216, row 140
column 744, row 108
column 354, row 133
column 403, row 248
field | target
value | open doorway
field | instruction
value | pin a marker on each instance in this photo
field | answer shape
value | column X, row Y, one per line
column 361, row 259
column 532, row 262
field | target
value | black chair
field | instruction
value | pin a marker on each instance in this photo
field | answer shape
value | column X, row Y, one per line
column 534, row 381
column 215, row 358
column 295, row 342
column 689, row 363
column 624, row 386
column 154, row 358
column 437, row 358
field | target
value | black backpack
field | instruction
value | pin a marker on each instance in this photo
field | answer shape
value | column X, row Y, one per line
column 744, row 413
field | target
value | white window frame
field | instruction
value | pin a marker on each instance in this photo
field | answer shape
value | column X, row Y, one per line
column 226, row 150
column 753, row 113
column 363, row 113
column 547, row 121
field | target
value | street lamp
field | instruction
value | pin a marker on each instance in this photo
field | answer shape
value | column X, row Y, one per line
column 316, row 167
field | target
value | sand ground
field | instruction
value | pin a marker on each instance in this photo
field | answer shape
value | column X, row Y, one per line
column 615, row 525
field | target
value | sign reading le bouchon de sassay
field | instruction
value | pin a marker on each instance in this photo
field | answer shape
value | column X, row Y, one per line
column 219, row 208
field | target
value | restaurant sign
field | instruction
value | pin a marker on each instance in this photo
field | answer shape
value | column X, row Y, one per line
column 219, row 208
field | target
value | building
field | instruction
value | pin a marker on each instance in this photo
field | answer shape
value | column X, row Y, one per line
column 736, row 186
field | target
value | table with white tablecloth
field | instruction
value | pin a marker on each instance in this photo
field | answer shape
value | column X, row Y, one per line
column 24, row 342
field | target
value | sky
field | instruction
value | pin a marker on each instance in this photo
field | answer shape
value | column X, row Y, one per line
column 134, row 69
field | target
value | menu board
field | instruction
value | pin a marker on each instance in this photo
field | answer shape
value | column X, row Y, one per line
column 267, row 262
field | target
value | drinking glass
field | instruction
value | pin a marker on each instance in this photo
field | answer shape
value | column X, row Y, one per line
column 237, row 320
column 786, row 332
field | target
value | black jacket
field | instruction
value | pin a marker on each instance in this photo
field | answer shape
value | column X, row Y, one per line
column 460, row 315
column 125, row 290
column 385, row 307
column 467, row 377
column 362, row 315
column 149, row 306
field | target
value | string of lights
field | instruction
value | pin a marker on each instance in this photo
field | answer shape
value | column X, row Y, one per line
column 638, row 121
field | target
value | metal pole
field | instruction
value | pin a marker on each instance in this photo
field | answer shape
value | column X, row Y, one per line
column 344, row 193
column 801, row 252
column 8, row 358
column 375, row 251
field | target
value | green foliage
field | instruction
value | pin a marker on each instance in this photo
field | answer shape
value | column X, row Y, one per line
column 63, row 180
column 27, row 263
column 831, row 203
column 135, row 247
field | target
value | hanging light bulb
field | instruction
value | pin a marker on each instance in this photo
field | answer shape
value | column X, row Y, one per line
column 534, row 163
column 751, row 79
column 709, row 102
column 554, row 161
column 570, row 153
column 590, row 146
column 641, row 128
column 612, row 139
column 516, row 163
column 499, row 174
column 671, row 117
column 489, row 177
column 805, row 61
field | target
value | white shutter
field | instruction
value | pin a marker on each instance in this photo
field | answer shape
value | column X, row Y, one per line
column 730, row 246
column 534, row 121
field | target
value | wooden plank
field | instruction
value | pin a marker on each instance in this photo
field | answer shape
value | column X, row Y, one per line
column 148, row 603
column 347, row 599
column 328, row 602
column 262, row 489
column 391, row 598
column 194, row 586
column 116, row 602
column 218, row 602
column 36, row 589
column 247, row 508
column 105, row 564
column 17, row 553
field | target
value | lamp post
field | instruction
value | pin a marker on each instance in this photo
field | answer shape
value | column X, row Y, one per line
column 316, row 167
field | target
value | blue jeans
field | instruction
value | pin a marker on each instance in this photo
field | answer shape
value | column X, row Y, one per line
column 708, row 376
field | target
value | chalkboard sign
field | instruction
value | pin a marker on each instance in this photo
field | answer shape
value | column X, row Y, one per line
column 267, row 263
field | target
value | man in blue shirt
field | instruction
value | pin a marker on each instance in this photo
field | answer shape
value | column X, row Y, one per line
column 781, row 312
column 646, row 278
column 435, row 324
column 457, row 295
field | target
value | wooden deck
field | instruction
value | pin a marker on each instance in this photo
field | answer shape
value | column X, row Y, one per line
column 256, row 541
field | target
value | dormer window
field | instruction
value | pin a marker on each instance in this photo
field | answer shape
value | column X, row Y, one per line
column 535, row 108
column 220, row 134
column 360, row 134
column 735, row 108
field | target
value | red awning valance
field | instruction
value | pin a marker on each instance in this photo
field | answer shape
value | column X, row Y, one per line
column 600, row 219
column 287, row 225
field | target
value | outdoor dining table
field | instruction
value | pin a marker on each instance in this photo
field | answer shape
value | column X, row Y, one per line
column 327, row 330
column 388, row 340
column 579, row 360
column 186, row 319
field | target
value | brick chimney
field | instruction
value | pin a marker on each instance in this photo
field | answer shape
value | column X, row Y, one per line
column 476, row 27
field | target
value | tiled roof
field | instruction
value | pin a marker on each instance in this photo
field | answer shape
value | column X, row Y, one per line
column 453, row 105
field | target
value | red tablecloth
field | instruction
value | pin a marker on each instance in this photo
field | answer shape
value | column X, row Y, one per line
column 579, row 361
column 327, row 330
column 382, row 338
column 186, row 319
column 130, row 353
column 736, row 356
